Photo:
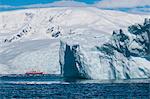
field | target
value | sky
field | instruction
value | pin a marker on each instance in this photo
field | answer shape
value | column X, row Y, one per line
column 123, row 5
column 29, row 2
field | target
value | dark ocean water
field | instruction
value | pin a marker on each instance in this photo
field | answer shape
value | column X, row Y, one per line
column 56, row 87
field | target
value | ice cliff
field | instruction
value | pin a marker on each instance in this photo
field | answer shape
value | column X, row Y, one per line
column 124, row 55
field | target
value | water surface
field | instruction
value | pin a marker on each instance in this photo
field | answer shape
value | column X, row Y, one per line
column 55, row 86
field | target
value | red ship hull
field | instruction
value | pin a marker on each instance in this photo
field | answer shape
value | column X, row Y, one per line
column 34, row 73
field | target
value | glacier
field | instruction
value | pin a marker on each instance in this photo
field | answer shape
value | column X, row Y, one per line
column 43, row 39
column 94, row 56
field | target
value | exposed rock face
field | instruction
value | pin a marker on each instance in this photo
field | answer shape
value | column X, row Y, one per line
column 123, row 56
column 120, row 42
column 141, row 39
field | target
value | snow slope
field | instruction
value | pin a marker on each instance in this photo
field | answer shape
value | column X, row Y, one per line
column 29, row 39
column 38, row 55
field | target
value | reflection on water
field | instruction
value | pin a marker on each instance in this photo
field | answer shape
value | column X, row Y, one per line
column 58, row 78
column 55, row 86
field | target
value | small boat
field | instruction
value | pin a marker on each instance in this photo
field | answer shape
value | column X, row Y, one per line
column 34, row 73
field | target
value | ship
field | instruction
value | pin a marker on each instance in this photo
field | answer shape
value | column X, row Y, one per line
column 34, row 73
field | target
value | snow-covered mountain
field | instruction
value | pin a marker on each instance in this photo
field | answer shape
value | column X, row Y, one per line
column 30, row 40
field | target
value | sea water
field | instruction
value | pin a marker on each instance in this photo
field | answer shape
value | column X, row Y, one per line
column 57, row 87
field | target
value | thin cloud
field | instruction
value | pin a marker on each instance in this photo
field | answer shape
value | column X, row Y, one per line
column 122, row 3
column 63, row 3
column 6, row 6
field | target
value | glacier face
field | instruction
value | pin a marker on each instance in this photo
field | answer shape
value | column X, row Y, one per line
column 121, row 56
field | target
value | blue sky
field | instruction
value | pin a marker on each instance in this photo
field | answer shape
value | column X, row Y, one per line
column 122, row 5
column 30, row 2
